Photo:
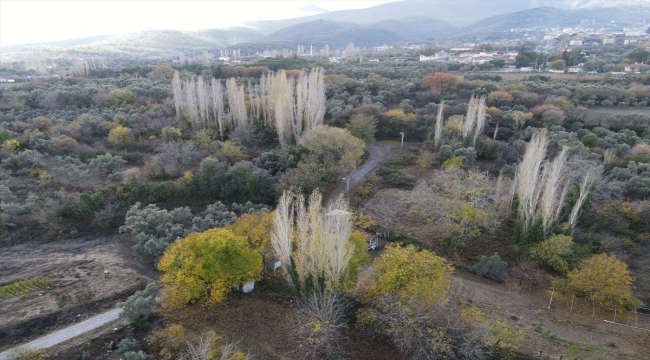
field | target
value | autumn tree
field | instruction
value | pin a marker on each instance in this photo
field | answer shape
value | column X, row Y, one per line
column 120, row 98
column 410, row 274
column 441, row 81
column 459, row 197
column 205, row 266
column 120, row 136
column 553, row 252
column 256, row 227
column 604, row 279
column 43, row 124
column 499, row 98
column 331, row 154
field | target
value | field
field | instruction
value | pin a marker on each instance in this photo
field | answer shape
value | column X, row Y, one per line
column 76, row 270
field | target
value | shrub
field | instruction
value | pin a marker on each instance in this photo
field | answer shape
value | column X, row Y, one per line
column 553, row 252
column 139, row 306
column 491, row 267
column 108, row 164
column 85, row 206
column 318, row 321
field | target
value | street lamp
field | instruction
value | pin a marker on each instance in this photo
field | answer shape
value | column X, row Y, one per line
column 402, row 146
column 347, row 192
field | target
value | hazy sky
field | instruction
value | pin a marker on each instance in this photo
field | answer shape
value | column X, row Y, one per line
column 25, row 21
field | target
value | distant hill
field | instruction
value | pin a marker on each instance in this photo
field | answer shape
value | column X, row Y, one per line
column 417, row 28
column 61, row 43
column 458, row 12
column 498, row 27
column 153, row 42
column 332, row 33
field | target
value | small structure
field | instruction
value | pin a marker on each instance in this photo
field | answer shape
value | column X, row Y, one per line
column 248, row 287
column 273, row 265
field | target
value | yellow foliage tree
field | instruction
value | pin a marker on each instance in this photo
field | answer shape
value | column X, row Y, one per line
column 604, row 279
column 205, row 266
column 552, row 251
column 411, row 274
column 230, row 153
column 120, row 136
column 257, row 228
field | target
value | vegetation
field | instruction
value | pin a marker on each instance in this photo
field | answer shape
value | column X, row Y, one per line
column 25, row 286
column 205, row 266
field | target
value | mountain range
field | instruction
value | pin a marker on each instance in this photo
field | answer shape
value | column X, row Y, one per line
column 412, row 20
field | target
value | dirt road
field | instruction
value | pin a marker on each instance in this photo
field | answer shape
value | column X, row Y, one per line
column 68, row 333
column 377, row 154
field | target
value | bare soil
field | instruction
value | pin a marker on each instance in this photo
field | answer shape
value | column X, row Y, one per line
column 76, row 268
column 550, row 332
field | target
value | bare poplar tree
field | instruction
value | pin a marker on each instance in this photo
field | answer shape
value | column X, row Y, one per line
column 470, row 118
column 528, row 184
column 439, row 124
column 282, row 233
column 585, row 187
column 480, row 117
column 216, row 94
column 550, row 202
column 177, row 91
column 321, row 238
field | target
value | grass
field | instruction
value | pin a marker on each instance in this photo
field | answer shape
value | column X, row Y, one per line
column 24, row 286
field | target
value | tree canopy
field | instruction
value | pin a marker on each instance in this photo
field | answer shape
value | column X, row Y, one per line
column 205, row 266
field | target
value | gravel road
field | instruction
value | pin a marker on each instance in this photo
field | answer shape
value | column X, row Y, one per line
column 68, row 333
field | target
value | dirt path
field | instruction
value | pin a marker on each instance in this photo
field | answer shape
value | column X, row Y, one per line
column 377, row 154
column 69, row 332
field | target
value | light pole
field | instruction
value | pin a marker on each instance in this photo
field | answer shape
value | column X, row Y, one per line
column 402, row 146
column 347, row 191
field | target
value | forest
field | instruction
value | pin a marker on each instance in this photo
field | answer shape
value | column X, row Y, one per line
column 203, row 179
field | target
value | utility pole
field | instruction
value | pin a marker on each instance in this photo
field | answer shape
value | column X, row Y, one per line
column 402, row 146
column 347, row 191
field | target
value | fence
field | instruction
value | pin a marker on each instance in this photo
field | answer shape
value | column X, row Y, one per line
column 568, row 305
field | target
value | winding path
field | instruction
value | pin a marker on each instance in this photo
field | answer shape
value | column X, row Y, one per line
column 69, row 332
column 377, row 153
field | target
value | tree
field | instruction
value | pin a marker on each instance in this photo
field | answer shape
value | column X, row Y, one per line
column 553, row 252
column 410, row 274
column 43, row 124
column 256, row 227
column 120, row 136
column 205, row 266
column 120, row 98
column 364, row 127
column 139, row 306
column 335, row 151
column 314, row 244
column 230, row 153
column 590, row 140
column 604, row 279
column 558, row 64
column 499, row 98
column 108, row 164
column 638, row 56
column 491, row 267
column 441, row 81
column 318, row 321
column 460, row 198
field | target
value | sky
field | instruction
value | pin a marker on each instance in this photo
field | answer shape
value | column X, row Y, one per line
column 26, row 21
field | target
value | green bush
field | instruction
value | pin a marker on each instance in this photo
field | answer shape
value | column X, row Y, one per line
column 491, row 267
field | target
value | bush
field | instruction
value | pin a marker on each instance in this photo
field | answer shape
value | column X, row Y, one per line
column 318, row 322
column 126, row 345
column 491, row 267
column 108, row 164
column 140, row 305
column 85, row 206
column 553, row 252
